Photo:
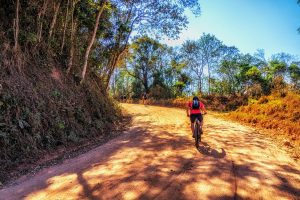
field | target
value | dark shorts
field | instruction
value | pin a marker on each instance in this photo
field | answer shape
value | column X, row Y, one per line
column 193, row 117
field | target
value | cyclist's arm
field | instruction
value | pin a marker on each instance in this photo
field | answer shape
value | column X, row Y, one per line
column 203, row 109
column 188, row 110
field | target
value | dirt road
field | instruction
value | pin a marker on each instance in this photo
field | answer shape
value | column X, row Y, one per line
column 156, row 159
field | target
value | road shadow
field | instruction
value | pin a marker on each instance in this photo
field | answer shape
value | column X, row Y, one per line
column 158, row 161
column 205, row 149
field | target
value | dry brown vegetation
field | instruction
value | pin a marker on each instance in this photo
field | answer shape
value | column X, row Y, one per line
column 280, row 114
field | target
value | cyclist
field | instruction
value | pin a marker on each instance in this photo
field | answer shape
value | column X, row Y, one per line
column 194, row 110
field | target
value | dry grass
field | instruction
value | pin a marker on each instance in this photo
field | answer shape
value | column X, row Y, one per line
column 279, row 114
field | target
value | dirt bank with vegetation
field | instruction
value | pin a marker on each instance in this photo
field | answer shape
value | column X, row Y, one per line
column 281, row 115
column 47, row 112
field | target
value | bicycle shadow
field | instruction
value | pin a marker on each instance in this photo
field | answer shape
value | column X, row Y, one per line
column 207, row 150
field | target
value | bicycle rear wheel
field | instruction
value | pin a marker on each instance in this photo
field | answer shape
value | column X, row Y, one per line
column 196, row 133
column 199, row 134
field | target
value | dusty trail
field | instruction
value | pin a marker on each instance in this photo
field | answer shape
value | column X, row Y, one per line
column 156, row 159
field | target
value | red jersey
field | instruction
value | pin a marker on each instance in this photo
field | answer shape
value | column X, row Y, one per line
column 195, row 111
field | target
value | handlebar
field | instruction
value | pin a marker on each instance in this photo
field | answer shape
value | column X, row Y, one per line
column 201, row 113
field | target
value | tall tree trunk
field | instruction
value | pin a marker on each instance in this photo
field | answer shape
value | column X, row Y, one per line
column 209, row 83
column 65, row 27
column 73, row 30
column 200, row 75
column 145, row 81
column 56, row 9
column 40, row 23
column 119, row 51
column 87, row 53
column 72, row 48
column 16, row 24
column 111, row 70
column 200, row 86
column 116, row 57
column 209, row 75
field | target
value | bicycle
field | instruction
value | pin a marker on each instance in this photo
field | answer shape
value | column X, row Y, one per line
column 198, row 131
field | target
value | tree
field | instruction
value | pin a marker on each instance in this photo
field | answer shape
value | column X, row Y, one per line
column 177, row 74
column 156, row 18
column 56, row 8
column 145, row 53
column 87, row 52
column 156, row 69
column 65, row 27
column 228, row 69
column 94, row 34
column 16, row 26
column 278, row 68
column 194, row 59
column 228, row 72
column 242, row 73
column 40, row 20
column 72, row 35
column 294, row 73
column 283, row 57
column 211, row 48
column 254, row 74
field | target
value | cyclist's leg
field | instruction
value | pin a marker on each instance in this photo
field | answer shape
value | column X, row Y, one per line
column 192, row 127
column 192, row 118
column 200, row 118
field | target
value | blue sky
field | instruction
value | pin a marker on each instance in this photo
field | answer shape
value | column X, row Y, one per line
column 248, row 24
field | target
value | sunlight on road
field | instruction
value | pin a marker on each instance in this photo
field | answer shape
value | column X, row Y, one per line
column 156, row 158
column 58, row 186
column 160, row 156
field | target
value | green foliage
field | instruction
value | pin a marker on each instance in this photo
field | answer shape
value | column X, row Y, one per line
column 56, row 94
column 30, row 38
column 60, row 125
column 206, row 66
column 205, row 52
column 253, row 74
column 294, row 72
column 278, row 68
column 154, row 69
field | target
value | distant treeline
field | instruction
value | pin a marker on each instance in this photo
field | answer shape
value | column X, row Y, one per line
column 203, row 66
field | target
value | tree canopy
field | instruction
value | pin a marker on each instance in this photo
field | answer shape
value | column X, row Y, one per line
column 205, row 66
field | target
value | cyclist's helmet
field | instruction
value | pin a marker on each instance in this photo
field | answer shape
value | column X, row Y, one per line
column 195, row 98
